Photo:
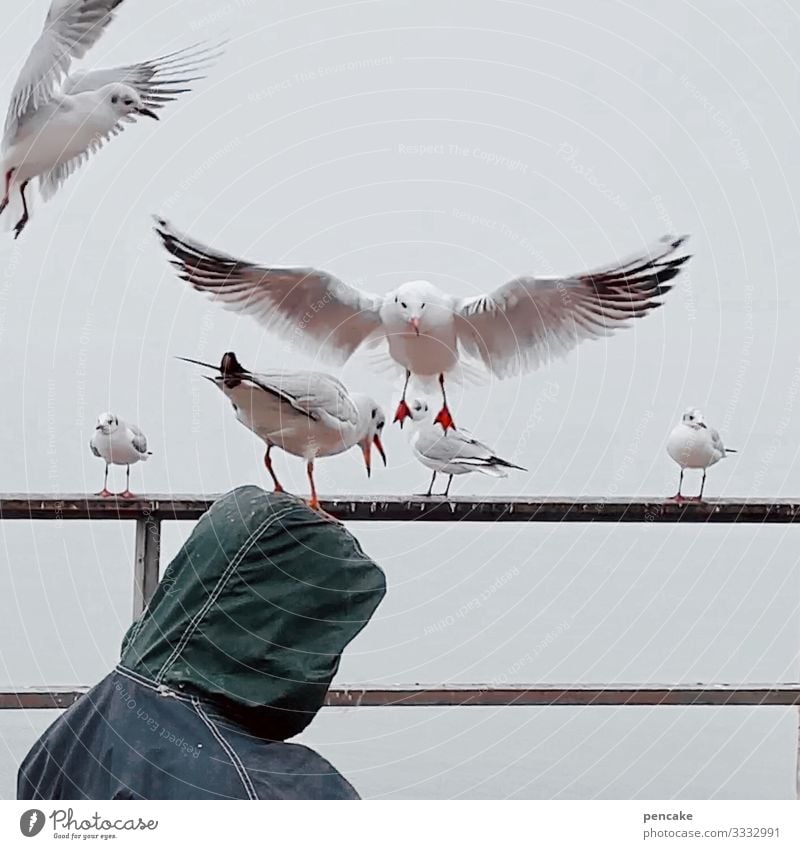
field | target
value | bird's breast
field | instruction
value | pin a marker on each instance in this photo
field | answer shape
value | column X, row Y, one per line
column 429, row 353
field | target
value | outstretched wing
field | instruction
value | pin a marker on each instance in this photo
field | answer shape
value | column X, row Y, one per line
column 311, row 308
column 530, row 320
column 158, row 82
column 70, row 29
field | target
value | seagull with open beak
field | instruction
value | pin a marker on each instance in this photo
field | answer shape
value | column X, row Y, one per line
column 308, row 414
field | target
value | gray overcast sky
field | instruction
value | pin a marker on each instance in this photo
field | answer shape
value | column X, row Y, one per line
column 464, row 142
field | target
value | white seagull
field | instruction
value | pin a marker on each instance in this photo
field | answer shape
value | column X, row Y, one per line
column 56, row 120
column 694, row 445
column 307, row 414
column 513, row 329
column 118, row 443
column 452, row 453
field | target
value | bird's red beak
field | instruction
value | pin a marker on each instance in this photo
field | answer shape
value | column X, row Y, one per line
column 379, row 445
column 414, row 322
column 366, row 450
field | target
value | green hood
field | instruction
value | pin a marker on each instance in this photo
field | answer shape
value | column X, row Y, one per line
column 255, row 610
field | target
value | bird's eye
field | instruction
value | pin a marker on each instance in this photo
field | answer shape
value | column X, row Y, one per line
column 404, row 306
column 374, row 413
column 422, row 306
column 114, row 99
column 380, row 425
column 129, row 102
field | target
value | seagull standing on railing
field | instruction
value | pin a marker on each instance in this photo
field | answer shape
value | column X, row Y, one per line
column 694, row 445
column 54, row 124
column 307, row 414
column 451, row 453
column 513, row 329
column 119, row 444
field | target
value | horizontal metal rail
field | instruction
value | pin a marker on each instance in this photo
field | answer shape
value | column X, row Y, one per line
column 149, row 511
column 475, row 695
column 398, row 508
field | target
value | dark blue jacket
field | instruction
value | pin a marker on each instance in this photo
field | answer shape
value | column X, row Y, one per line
column 233, row 656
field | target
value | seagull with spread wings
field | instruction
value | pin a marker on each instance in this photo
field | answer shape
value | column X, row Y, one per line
column 57, row 119
column 514, row 329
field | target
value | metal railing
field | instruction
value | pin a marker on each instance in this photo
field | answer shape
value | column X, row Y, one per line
column 149, row 511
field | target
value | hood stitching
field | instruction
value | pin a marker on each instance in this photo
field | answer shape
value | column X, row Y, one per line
column 148, row 684
column 226, row 575
column 227, row 748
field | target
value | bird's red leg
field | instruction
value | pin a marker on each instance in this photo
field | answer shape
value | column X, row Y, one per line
column 268, row 464
column 104, row 492
column 313, row 502
column 403, row 412
column 4, row 202
column 443, row 417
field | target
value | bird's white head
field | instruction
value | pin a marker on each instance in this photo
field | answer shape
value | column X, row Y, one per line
column 124, row 100
column 416, row 307
column 419, row 410
column 107, row 423
column 371, row 422
column 693, row 418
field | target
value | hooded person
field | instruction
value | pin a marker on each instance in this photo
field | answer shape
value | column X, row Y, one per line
column 234, row 655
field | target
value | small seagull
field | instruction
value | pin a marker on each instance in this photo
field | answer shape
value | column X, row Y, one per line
column 452, row 453
column 118, row 443
column 307, row 414
column 56, row 120
column 694, row 445
column 429, row 333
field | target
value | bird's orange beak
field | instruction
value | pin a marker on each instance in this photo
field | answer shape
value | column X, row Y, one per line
column 414, row 322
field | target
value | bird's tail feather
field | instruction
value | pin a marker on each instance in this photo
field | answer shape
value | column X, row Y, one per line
column 731, row 451
column 492, row 471
column 508, row 465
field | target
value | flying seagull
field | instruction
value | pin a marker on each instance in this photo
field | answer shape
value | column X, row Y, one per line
column 119, row 444
column 451, row 453
column 307, row 414
column 513, row 329
column 56, row 119
column 694, row 445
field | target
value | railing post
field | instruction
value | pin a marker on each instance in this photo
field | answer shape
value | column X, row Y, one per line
column 145, row 569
